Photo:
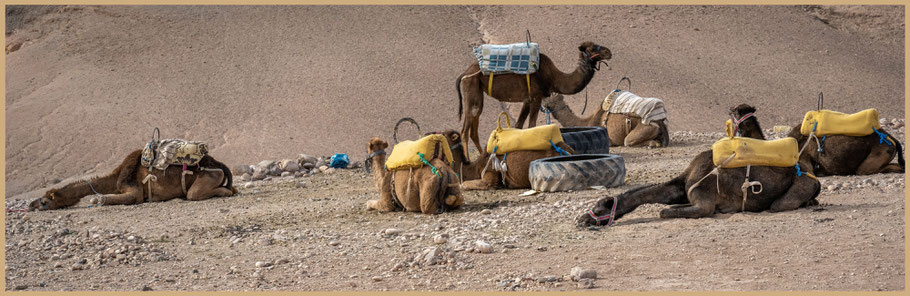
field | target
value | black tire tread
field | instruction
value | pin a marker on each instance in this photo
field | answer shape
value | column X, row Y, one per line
column 552, row 176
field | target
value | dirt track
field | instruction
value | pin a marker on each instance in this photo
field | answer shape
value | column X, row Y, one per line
column 270, row 82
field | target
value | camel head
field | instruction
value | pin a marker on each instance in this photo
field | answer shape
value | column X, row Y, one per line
column 453, row 138
column 376, row 144
column 554, row 103
column 595, row 53
column 602, row 209
column 744, row 121
column 45, row 202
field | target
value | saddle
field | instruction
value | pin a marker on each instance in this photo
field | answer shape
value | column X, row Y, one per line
column 415, row 154
column 518, row 58
column 505, row 140
column 160, row 154
column 827, row 122
column 748, row 151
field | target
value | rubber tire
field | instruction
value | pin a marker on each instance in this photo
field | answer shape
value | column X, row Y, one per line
column 577, row 172
column 587, row 139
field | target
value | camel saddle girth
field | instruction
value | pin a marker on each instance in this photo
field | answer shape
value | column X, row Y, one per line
column 161, row 154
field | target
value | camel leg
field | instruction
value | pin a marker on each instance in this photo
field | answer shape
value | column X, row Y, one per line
column 429, row 191
column 488, row 181
column 207, row 185
column 132, row 195
column 702, row 199
column 878, row 161
column 525, row 110
column 643, row 134
column 532, row 117
column 803, row 191
column 454, row 198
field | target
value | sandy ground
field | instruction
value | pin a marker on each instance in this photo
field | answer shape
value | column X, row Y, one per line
column 321, row 238
column 87, row 85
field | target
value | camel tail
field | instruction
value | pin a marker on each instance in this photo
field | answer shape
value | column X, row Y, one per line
column 227, row 173
column 458, row 89
column 900, row 150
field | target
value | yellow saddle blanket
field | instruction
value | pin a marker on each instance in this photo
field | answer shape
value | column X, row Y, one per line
column 505, row 140
column 777, row 153
column 405, row 154
column 835, row 123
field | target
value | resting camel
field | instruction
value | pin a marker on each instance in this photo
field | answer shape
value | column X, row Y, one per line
column 514, row 87
column 782, row 189
column 517, row 163
column 623, row 129
column 847, row 155
column 124, row 185
column 419, row 192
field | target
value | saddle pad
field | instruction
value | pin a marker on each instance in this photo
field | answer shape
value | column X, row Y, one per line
column 625, row 102
column 178, row 152
column 835, row 123
column 404, row 154
column 749, row 151
column 513, row 139
column 518, row 58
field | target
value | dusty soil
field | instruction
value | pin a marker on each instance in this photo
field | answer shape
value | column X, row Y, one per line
column 86, row 84
column 277, row 236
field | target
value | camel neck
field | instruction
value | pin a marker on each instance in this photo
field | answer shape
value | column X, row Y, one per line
column 102, row 185
column 567, row 117
column 378, row 163
column 751, row 129
column 574, row 82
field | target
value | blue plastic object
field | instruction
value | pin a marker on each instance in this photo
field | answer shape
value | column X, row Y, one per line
column 339, row 160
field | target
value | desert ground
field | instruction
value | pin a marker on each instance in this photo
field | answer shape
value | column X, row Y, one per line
column 85, row 85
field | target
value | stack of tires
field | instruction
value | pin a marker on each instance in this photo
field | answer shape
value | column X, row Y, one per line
column 591, row 165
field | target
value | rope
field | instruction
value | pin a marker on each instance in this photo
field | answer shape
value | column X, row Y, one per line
column 435, row 171
column 712, row 172
column 368, row 164
column 560, row 150
column 151, row 178
column 882, row 137
column 746, row 185
column 183, row 178
column 586, row 103
column 547, row 112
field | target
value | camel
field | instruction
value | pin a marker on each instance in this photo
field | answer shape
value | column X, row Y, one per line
column 782, row 189
column 124, row 185
column 517, row 163
column 413, row 191
column 847, row 155
column 623, row 129
column 515, row 88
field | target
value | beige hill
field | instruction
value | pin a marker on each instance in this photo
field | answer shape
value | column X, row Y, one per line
column 86, row 85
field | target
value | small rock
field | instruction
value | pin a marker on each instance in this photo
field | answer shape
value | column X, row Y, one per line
column 246, row 177
column 299, row 174
column 547, row 279
column 483, row 247
column 377, row 278
column 323, row 168
column 832, row 187
column 486, row 211
column 259, row 173
column 289, row 165
column 146, row 288
column 392, row 231
column 330, row 170
column 241, row 169
column 301, row 184
column 131, row 238
column 304, row 159
column 333, row 243
column 21, row 287
column 440, row 239
column 579, row 273
column 248, row 185
column 261, row 264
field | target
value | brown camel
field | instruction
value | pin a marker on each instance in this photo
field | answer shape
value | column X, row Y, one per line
column 516, row 176
column 781, row 188
column 514, row 87
column 124, row 186
column 414, row 191
column 623, row 129
column 848, row 155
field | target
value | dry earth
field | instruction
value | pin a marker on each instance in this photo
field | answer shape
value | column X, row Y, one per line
column 276, row 235
column 86, row 84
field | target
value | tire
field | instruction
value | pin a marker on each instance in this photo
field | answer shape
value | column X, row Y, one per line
column 577, row 172
column 587, row 139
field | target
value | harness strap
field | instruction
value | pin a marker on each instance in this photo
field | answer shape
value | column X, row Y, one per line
column 609, row 217
column 882, row 137
column 367, row 164
column 183, row 178
column 713, row 172
column 749, row 184
column 394, row 195
column 490, row 85
column 435, row 171
column 736, row 121
column 560, row 150
column 148, row 180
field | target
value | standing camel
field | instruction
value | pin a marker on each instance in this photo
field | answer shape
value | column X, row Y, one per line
column 782, row 189
column 623, row 129
column 519, row 88
column 131, row 183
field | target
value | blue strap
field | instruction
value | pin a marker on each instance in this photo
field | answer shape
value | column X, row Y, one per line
column 560, row 150
column 435, row 171
column 504, row 156
column 882, row 137
column 799, row 173
column 546, row 111
column 816, row 126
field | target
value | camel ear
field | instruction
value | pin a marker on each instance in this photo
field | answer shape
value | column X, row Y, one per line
column 581, row 48
column 454, row 137
column 384, row 145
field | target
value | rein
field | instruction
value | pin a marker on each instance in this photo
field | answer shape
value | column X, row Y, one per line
column 736, row 121
column 367, row 164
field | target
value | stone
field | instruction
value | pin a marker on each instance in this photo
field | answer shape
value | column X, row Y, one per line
column 303, row 159
column 246, row 177
column 301, row 184
column 146, row 288
column 285, row 174
column 547, row 279
column 832, row 187
column 377, row 278
column 333, row 243
column 578, row 273
column 259, row 173
column 299, row 174
column 248, row 185
column 486, row 211
column 289, row 165
column 241, row 169
column 483, row 247
column 432, row 256
column 440, row 239
column 261, row 264
column 308, row 166
column 265, row 164
column 392, row 231
column 330, row 170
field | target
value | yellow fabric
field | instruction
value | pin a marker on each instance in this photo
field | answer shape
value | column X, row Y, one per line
column 528, row 80
column 777, row 153
column 729, row 128
column 404, row 154
column 835, row 123
column 512, row 139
